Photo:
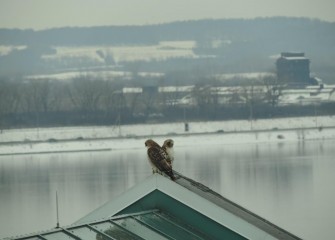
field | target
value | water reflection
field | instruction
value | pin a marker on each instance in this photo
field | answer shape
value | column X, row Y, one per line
column 289, row 184
column 273, row 169
column 83, row 180
column 281, row 182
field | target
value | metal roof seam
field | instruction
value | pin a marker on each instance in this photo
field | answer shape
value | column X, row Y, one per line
column 125, row 229
column 153, row 228
column 102, row 233
column 172, row 222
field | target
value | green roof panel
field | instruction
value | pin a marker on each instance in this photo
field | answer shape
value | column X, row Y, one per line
column 183, row 215
column 170, row 226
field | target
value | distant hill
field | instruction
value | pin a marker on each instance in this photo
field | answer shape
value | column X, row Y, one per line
column 263, row 29
column 238, row 44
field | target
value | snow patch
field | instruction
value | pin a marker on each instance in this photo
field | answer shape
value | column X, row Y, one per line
column 38, row 140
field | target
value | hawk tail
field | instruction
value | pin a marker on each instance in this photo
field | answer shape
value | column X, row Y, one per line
column 171, row 175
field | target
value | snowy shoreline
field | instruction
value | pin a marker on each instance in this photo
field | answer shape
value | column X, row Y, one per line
column 74, row 139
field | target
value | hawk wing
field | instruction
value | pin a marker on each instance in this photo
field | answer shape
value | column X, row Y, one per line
column 158, row 158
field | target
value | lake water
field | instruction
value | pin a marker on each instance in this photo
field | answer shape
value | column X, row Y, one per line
column 290, row 184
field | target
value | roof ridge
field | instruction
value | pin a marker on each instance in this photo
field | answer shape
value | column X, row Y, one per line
column 233, row 207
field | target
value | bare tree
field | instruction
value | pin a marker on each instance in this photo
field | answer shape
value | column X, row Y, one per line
column 203, row 98
column 9, row 99
column 149, row 102
column 113, row 100
column 252, row 95
column 85, row 93
column 35, row 96
column 132, row 102
column 273, row 90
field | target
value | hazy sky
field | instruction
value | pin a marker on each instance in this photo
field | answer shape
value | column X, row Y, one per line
column 41, row 14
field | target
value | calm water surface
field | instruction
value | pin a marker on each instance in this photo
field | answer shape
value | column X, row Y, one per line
column 290, row 184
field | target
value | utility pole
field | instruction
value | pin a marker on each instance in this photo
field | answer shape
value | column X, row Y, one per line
column 57, row 225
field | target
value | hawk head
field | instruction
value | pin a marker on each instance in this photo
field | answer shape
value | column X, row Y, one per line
column 169, row 143
column 150, row 143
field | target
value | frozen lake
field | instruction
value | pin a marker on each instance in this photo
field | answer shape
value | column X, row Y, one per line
column 288, row 183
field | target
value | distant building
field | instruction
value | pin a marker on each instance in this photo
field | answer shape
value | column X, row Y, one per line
column 293, row 70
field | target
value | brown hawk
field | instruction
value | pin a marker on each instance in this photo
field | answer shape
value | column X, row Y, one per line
column 158, row 159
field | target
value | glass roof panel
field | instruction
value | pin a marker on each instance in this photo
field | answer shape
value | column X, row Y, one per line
column 168, row 226
column 187, row 227
column 85, row 233
column 140, row 229
column 57, row 236
column 114, row 231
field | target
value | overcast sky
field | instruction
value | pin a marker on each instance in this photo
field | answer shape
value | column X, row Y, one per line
column 41, row 14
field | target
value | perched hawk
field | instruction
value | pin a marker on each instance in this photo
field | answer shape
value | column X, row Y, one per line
column 158, row 158
column 168, row 148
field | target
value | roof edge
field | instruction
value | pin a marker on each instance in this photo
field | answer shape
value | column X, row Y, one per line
column 122, row 201
column 232, row 207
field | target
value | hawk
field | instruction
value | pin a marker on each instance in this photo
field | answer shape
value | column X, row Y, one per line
column 168, row 148
column 158, row 159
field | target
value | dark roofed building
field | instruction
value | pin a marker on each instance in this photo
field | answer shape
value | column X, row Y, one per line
column 159, row 208
column 293, row 69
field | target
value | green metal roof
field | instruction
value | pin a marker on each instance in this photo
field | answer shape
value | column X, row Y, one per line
column 159, row 208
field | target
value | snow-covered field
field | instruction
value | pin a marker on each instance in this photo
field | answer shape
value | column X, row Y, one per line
column 6, row 49
column 19, row 141
column 109, row 75
column 163, row 50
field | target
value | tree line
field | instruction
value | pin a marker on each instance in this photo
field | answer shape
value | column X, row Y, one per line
column 86, row 100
